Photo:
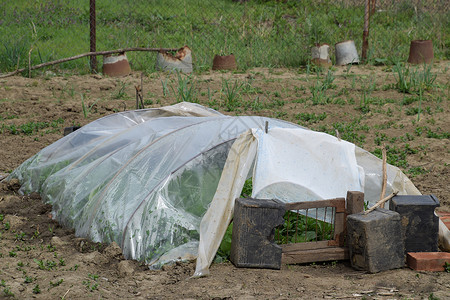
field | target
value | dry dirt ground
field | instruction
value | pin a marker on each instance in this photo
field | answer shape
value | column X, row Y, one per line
column 40, row 259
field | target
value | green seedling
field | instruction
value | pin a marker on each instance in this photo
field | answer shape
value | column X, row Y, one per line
column 36, row 289
column 57, row 283
column 231, row 94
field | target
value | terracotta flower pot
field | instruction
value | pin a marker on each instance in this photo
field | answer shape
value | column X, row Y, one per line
column 421, row 51
column 226, row 62
column 116, row 65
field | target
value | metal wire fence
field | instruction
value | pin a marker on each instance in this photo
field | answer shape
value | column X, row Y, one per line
column 277, row 33
column 261, row 33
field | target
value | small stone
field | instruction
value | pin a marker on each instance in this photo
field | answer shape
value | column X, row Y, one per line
column 97, row 76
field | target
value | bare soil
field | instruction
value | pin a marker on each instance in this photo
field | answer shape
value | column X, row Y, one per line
column 40, row 259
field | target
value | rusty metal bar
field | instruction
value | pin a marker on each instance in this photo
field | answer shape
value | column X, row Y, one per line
column 316, row 224
column 93, row 42
column 287, row 228
column 365, row 44
column 306, row 226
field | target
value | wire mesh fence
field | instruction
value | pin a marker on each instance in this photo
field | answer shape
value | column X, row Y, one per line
column 261, row 33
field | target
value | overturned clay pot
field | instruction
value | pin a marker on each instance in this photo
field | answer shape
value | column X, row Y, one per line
column 116, row 65
column 181, row 61
column 346, row 53
column 224, row 62
column 320, row 55
column 421, row 51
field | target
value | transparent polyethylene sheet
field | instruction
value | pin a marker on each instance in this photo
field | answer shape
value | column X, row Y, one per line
column 292, row 165
column 145, row 187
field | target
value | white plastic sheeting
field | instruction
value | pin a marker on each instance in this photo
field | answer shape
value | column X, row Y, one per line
column 292, row 165
column 149, row 179
column 143, row 179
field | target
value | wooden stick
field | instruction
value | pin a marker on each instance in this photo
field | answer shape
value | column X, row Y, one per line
column 58, row 61
column 383, row 185
column 29, row 62
column 380, row 202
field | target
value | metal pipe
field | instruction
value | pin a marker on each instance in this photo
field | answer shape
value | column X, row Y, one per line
column 92, row 27
column 365, row 44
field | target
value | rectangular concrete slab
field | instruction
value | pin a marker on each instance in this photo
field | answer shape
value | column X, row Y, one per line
column 375, row 241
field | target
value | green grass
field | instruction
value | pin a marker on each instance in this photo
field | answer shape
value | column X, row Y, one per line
column 260, row 33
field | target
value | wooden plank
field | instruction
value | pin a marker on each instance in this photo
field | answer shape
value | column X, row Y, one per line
column 339, row 203
column 307, row 256
column 355, row 202
column 340, row 228
column 303, row 246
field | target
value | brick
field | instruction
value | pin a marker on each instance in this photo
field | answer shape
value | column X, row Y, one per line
column 427, row 261
column 445, row 218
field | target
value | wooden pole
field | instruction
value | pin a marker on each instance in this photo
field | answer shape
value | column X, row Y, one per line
column 58, row 61
column 380, row 202
column 384, row 183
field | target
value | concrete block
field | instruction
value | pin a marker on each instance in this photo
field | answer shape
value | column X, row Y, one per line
column 427, row 261
column 420, row 225
column 254, row 223
column 375, row 241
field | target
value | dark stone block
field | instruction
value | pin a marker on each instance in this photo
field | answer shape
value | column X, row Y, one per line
column 375, row 241
column 254, row 223
column 420, row 225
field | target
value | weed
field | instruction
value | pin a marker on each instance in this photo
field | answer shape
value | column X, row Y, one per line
column 57, row 283
column 447, row 267
column 120, row 93
column 28, row 279
column 7, row 292
column 87, row 109
column 20, row 236
column 6, row 226
column 186, row 88
column 414, row 171
column 231, row 94
column 411, row 80
column 36, row 289
column 165, row 88
column 12, row 254
column 311, row 117
column 93, row 276
column 62, row 262
column 300, row 228
column 91, row 286
column 47, row 265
